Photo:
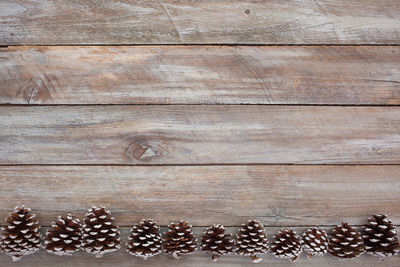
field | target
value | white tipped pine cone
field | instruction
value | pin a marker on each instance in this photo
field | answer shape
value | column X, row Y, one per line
column 216, row 242
column 100, row 234
column 252, row 240
column 144, row 240
column 179, row 239
column 22, row 234
column 287, row 245
column 345, row 242
column 65, row 236
column 315, row 242
column 380, row 237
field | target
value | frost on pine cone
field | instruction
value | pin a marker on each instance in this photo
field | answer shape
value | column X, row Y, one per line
column 380, row 237
column 315, row 242
column 287, row 245
column 216, row 242
column 144, row 240
column 252, row 240
column 179, row 239
column 345, row 242
column 65, row 236
column 21, row 236
column 100, row 234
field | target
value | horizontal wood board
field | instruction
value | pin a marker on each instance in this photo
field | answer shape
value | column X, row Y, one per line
column 35, row 22
column 334, row 75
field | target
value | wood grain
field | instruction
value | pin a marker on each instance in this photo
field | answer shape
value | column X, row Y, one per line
column 199, row 134
column 200, row 75
column 203, row 195
column 29, row 22
column 121, row 258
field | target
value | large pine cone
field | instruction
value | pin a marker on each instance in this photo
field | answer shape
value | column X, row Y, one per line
column 252, row 240
column 144, row 240
column 287, row 245
column 179, row 239
column 65, row 236
column 315, row 242
column 345, row 242
column 21, row 236
column 380, row 237
column 100, row 234
column 216, row 242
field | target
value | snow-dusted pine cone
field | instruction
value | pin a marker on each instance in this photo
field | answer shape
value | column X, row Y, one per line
column 251, row 240
column 315, row 242
column 21, row 236
column 144, row 240
column 345, row 242
column 179, row 239
column 100, row 234
column 380, row 237
column 287, row 245
column 216, row 242
column 65, row 236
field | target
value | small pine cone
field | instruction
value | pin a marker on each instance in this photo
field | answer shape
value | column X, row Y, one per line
column 179, row 239
column 216, row 242
column 144, row 240
column 315, row 242
column 380, row 237
column 22, row 236
column 100, row 234
column 65, row 236
column 287, row 245
column 252, row 240
column 345, row 242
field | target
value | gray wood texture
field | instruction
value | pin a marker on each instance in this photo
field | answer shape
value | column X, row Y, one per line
column 200, row 75
column 33, row 22
column 204, row 195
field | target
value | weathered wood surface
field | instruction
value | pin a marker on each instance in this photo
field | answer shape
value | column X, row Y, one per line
column 45, row 22
column 203, row 134
column 122, row 258
column 203, row 195
column 200, row 75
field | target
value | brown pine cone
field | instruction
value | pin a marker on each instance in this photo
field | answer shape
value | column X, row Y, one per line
column 345, row 242
column 252, row 240
column 179, row 239
column 315, row 242
column 21, row 236
column 65, row 236
column 144, row 240
column 380, row 237
column 100, row 234
column 287, row 245
column 216, row 242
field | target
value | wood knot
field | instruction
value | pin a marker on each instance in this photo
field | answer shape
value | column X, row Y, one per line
column 144, row 150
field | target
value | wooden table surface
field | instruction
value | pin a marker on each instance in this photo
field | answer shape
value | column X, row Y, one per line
column 212, row 111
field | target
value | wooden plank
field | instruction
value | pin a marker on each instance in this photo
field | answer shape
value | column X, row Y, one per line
column 30, row 22
column 199, row 134
column 203, row 195
column 123, row 259
column 200, row 75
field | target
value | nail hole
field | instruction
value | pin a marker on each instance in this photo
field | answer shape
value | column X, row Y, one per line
column 247, row 11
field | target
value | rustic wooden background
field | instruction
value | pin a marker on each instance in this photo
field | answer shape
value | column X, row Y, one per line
column 213, row 111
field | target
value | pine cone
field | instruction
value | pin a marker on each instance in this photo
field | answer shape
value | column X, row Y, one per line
column 252, row 240
column 100, row 234
column 380, row 237
column 65, row 236
column 179, row 239
column 315, row 242
column 22, row 236
column 145, row 240
column 216, row 242
column 287, row 245
column 345, row 242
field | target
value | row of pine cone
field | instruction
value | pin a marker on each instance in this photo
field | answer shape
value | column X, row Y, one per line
column 99, row 235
